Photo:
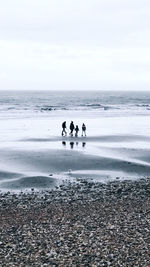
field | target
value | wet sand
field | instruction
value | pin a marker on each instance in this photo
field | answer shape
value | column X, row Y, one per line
column 45, row 162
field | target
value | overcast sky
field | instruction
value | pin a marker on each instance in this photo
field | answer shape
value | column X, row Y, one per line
column 75, row 44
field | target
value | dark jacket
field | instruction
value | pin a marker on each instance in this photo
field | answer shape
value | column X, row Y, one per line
column 71, row 126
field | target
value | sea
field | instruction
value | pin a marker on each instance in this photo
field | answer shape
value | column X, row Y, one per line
column 48, row 103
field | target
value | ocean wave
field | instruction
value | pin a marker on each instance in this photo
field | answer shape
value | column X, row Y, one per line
column 47, row 102
column 99, row 106
column 81, row 107
column 93, row 105
column 51, row 108
column 78, row 107
column 143, row 105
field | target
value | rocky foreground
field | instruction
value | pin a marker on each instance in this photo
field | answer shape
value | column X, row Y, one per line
column 82, row 224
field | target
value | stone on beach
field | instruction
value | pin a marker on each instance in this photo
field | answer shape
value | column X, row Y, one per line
column 79, row 224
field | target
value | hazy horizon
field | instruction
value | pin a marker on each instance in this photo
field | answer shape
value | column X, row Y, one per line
column 75, row 45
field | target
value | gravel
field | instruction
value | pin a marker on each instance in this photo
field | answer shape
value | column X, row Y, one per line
column 77, row 224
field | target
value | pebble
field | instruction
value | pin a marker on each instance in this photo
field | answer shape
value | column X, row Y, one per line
column 79, row 224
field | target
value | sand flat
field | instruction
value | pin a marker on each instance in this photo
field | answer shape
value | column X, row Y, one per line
column 74, row 157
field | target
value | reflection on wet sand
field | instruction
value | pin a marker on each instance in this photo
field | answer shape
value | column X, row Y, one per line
column 83, row 144
column 63, row 143
column 73, row 144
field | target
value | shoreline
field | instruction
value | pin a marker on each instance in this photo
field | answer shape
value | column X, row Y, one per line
column 78, row 224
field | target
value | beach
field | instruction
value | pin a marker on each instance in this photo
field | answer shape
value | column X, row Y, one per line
column 78, row 224
column 34, row 154
column 74, row 201
column 42, row 163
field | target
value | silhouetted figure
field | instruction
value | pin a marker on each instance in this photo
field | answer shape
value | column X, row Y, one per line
column 83, row 129
column 64, row 128
column 77, row 143
column 76, row 131
column 71, row 145
column 71, row 128
column 63, row 143
column 83, row 144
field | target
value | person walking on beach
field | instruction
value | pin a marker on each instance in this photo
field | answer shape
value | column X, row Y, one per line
column 83, row 129
column 76, row 131
column 64, row 129
column 71, row 128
